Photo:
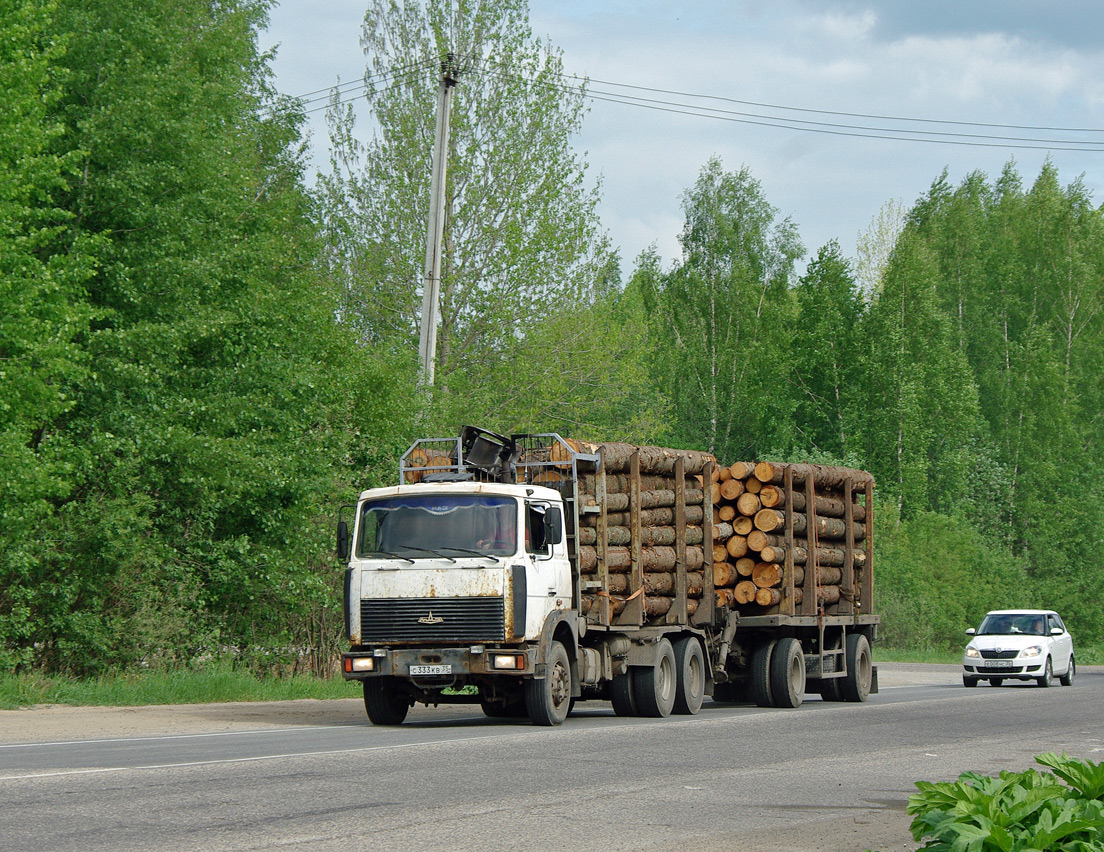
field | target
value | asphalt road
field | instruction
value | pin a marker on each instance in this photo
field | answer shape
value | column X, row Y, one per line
column 822, row 777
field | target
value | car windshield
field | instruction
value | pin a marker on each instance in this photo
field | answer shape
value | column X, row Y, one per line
column 1011, row 624
column 443, row 525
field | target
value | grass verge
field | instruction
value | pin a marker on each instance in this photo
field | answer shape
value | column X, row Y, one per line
column 176, row 687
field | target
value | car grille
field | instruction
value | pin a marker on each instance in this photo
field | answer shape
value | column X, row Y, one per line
column 994, row 671
column 987, row 654
column 432, row 620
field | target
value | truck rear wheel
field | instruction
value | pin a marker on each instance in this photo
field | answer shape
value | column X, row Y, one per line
column 548, row 700
column 622, row 696
column 787, row 673
column 760, row 680
column 655, row 685
column 384, row 702
column 690, row 667
column 860, row 669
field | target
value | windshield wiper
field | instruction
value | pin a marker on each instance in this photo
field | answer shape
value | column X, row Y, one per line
column 473, row 553
column 430, row 552
column 390, row 555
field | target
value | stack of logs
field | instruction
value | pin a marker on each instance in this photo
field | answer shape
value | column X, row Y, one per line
column 751, row 571
column 659, row 507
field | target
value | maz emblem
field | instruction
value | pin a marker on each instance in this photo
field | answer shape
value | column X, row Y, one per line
column 430, row 619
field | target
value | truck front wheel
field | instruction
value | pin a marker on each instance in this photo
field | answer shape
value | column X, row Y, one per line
column 385, row 703
column 548, row 700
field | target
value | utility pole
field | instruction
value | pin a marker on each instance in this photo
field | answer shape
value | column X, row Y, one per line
column 431, row 286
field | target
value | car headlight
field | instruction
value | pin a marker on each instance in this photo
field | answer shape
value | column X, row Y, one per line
column 973, row 652
column 1032, row 651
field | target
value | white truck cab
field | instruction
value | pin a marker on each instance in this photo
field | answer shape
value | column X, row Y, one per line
column 456, row 562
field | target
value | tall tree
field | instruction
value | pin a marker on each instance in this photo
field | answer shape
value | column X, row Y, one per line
column 521, row 239
column 200, row 441
column 722, row 317
column 41, row 314
column 826, row 354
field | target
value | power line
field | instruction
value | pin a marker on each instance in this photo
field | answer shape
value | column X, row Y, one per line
column 872, row 116
column 622, row 93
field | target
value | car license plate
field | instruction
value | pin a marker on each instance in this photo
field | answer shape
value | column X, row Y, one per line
column 431, row 670
column 999, row 664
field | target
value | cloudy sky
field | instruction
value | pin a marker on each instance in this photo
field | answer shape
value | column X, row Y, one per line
column 986, row 70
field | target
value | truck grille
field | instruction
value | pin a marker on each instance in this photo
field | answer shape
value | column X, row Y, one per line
column 432, row 620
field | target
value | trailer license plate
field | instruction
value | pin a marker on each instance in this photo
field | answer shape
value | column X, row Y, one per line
column 431, row 670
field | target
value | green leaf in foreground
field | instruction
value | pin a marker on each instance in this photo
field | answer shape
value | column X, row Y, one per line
column 1014, row 812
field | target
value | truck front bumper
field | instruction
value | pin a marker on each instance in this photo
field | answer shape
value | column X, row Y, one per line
column 436, row 664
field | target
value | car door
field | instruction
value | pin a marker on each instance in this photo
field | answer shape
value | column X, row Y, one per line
column 1062, row 645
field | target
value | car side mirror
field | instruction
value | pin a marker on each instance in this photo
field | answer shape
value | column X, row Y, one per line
column 1056, row 631
column 342, row 540
column 970, row 631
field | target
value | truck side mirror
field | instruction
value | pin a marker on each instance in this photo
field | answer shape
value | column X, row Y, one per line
column 554, row 521
column 342, row 540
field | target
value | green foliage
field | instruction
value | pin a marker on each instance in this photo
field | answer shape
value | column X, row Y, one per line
column 522, row 260
column 935, row 576
column 827, row 355
column 721, row 319
column 1015, row 812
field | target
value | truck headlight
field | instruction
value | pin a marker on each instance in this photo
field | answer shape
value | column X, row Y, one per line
column 360, row 664
column 509, row 661
column 1032, row 651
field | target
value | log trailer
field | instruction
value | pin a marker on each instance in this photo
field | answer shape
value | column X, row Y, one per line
column 528, row 572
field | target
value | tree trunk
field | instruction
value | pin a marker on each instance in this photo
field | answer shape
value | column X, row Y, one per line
column 652, row 459
column 744, row 592
column 774, row 497
column 766, row 574
column 736, row 546
column 748, row 504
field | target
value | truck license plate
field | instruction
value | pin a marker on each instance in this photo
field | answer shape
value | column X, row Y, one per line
column 431, row 670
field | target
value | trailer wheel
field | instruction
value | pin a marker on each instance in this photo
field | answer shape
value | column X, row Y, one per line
column 760, row 674
column 690, row 667
column 383, row 701
column 860, row 669
column 787, row 673
column 655, row 685
column 548, row 699
column 622, row 696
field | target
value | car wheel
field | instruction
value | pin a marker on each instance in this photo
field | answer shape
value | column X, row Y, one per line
column 1048, row 675
column 969, row 681
column 1071, row 670
column 996, row 681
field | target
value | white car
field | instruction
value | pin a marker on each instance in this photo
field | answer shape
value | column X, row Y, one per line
column 1020, row 644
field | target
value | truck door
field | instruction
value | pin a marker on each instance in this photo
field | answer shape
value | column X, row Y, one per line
column 548, row 572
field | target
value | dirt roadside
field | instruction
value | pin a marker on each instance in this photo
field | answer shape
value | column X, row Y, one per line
column 58, row 722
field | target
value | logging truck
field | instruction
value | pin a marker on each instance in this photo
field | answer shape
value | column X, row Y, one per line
column 526, row 573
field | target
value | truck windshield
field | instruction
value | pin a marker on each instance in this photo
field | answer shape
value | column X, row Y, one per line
column 448, row 525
